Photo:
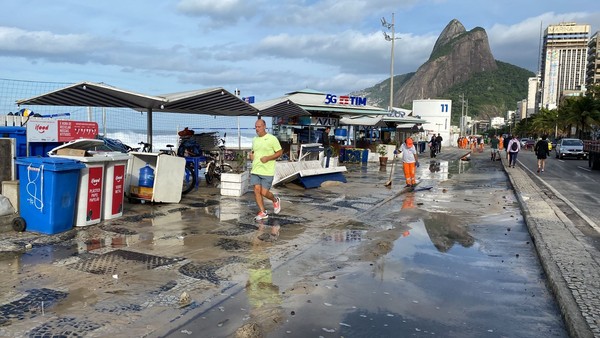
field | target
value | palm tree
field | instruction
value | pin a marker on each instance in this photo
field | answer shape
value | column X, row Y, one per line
column 544, row 122
column 582, row 111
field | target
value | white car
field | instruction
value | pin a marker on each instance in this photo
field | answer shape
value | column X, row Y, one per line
column 570, row 147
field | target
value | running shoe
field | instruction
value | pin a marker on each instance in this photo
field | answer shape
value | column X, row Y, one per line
column 277, row 205
column 261, row 215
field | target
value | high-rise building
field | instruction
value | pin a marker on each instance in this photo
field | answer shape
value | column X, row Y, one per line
column 592, row 75
column 532, row 95
column 563, row 67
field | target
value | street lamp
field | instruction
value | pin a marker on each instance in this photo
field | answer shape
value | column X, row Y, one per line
column 391, row 27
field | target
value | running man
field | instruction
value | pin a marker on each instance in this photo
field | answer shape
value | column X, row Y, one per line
column 265, row 150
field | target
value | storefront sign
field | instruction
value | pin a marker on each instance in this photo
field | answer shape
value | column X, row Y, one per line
column 73, row 130
column 396, row 114
column 319, row 121
column 345, row 100
column 51, row 130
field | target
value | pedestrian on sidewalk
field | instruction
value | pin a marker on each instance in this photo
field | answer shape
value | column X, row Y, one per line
column 265, row 150
column 542, row 151
column 410, row 162
column 514, row 146
column 505, row 144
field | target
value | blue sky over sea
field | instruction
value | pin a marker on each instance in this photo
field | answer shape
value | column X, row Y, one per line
column 265, row 48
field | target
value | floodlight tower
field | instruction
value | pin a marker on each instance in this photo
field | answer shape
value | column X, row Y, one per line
column 391, row 28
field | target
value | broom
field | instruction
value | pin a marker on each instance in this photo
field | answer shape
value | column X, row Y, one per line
column 389, row 182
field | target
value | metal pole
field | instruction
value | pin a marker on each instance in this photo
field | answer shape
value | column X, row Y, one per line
column 149, row 128
column 237, row 93
column 556, row 127
column 462, row 115
column 392, row 68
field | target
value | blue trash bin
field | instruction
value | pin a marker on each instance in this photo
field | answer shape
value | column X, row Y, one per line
column 48, row 193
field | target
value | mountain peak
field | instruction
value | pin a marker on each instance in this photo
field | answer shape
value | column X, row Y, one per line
column 456, row 57
column 452, row 30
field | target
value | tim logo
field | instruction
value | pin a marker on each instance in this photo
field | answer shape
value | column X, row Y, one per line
column 95, row 181
column 119, row 178
column 41, row 128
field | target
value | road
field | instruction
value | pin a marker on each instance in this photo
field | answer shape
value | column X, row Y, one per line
column 573, row 187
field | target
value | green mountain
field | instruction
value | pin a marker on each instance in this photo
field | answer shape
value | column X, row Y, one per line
column 490, row 93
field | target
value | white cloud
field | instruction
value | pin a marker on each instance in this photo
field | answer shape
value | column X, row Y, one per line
column 519, row 43
column 220, row 13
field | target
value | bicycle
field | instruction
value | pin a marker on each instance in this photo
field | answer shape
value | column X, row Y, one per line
column 145, row 147
column 216, row 164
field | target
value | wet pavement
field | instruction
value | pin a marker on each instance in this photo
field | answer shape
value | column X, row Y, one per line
column 454, row 258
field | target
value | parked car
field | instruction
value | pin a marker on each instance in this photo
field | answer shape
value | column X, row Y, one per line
column 570, row 147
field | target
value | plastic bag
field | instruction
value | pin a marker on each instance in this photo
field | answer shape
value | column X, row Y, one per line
column 6, row 207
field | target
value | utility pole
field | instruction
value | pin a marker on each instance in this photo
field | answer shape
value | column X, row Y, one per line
column 391, row 27
column 462, row 115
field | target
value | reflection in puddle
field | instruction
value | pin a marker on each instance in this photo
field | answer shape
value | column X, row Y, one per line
column 345, row 236
column 445, row 230
column 47, row 254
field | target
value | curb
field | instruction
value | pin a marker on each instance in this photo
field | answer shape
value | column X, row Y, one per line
column 575, row 322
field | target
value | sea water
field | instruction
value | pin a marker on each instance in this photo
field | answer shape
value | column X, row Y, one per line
column 161, row 138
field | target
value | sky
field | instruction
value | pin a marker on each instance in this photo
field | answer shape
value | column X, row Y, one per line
column 264, row 48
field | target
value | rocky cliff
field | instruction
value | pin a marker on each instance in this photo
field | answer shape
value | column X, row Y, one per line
column 456, row 56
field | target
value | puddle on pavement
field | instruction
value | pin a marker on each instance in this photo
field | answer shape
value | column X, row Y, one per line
column 38, row 254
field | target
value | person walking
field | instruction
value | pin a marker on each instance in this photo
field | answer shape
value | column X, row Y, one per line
column 326, row 145
column 432, row 146
column 494, row 142
column 542, row 151
column 439, row 140
column 265, row 150
column 514, row 146
column 505, row 144
column 410, row 162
